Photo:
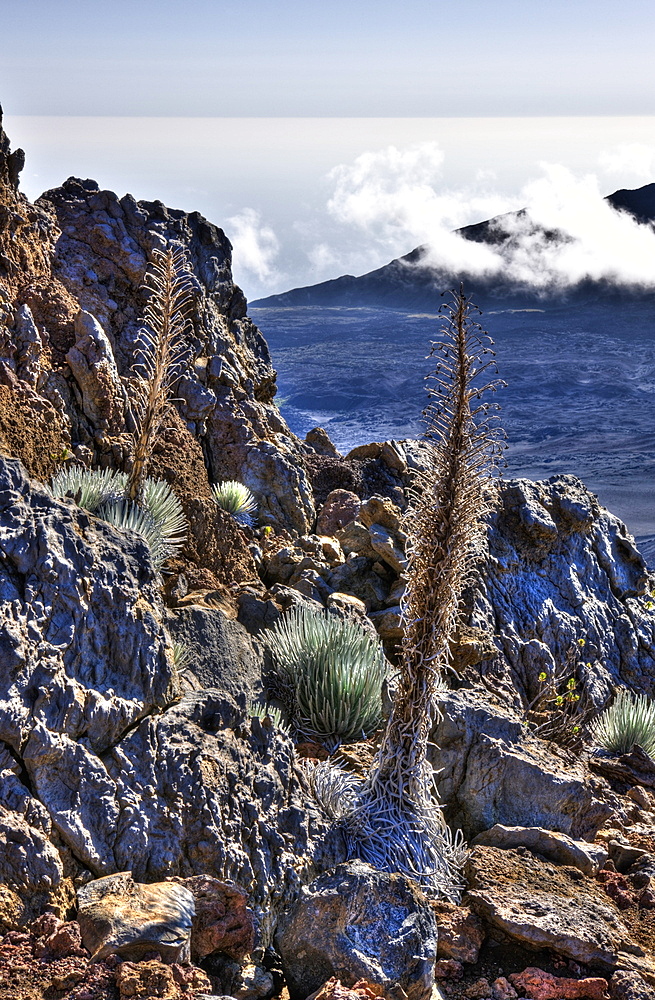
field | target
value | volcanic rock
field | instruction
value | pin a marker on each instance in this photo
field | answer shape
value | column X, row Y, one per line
column 561, row 586
column 335, row 990
column 221, row 652
column 541, row 905
column 222, row 920
column 320, row 442
column 461, row 933
column 625, row 985
column 358, row 923
column 340, row 508
column 119, row 916
column 539, row 985
column 554, row 846
column 490, row 770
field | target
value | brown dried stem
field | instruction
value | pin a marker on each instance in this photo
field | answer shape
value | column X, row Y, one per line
column 446, row 525
column 162, row 353
column 398, row 824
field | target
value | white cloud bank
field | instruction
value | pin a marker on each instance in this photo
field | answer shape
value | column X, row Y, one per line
column 634, row 162
column 393, row 197
column 255, row 246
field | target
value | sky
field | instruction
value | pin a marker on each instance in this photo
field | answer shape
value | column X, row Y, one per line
column 329, row 138
column 342, row 58
column 307, row 199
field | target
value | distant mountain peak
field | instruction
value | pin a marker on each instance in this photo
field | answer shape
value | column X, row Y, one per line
column 411, row 281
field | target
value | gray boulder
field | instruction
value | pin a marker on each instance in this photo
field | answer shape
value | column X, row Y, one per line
column 103, row 247
column 626, row 985
column 31, row 869
column 222, row 655
column 490, row 770
column 356, row 576
column 203, row 790
column 340, row 508
column 358, row 923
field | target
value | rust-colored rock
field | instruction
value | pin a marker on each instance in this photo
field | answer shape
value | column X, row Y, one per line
column 448, row 968
column 30, row 427
column 319, row 440
column 460, row 933
column 340, row 508
column 619, row 889
column 381, row 510
column 61, row 941
column 388, row 623
column 25, row 974
column 222, row 922
column 12, row 910
column 335, row 990
column 535, row 984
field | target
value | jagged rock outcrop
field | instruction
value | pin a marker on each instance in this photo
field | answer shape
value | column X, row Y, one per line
column 71, row 297
column 227, row 391
column 562, row 595
column 83, row 656
column 103, row 768
column 83, row 650
column 564, row 591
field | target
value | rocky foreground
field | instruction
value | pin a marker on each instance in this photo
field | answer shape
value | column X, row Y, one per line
column 157, row 840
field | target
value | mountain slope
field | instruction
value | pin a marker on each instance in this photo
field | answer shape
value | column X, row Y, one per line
column 411, row 282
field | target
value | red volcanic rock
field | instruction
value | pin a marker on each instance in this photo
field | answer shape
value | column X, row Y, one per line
column 64, row 941
column 222, row 922
column 45, row 925
column 340, row 508
column 448, row 968
column 535, row 984
column 617, row 888
column 479, row 990
column 334, row 990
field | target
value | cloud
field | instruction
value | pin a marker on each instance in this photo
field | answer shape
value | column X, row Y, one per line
column 393, row 194
column 255, row 245
column 395, row 197
column 634, row 160
column 599, row 242
column 323, row 257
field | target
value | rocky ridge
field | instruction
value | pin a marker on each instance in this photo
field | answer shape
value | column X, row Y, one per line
column 116, row 764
